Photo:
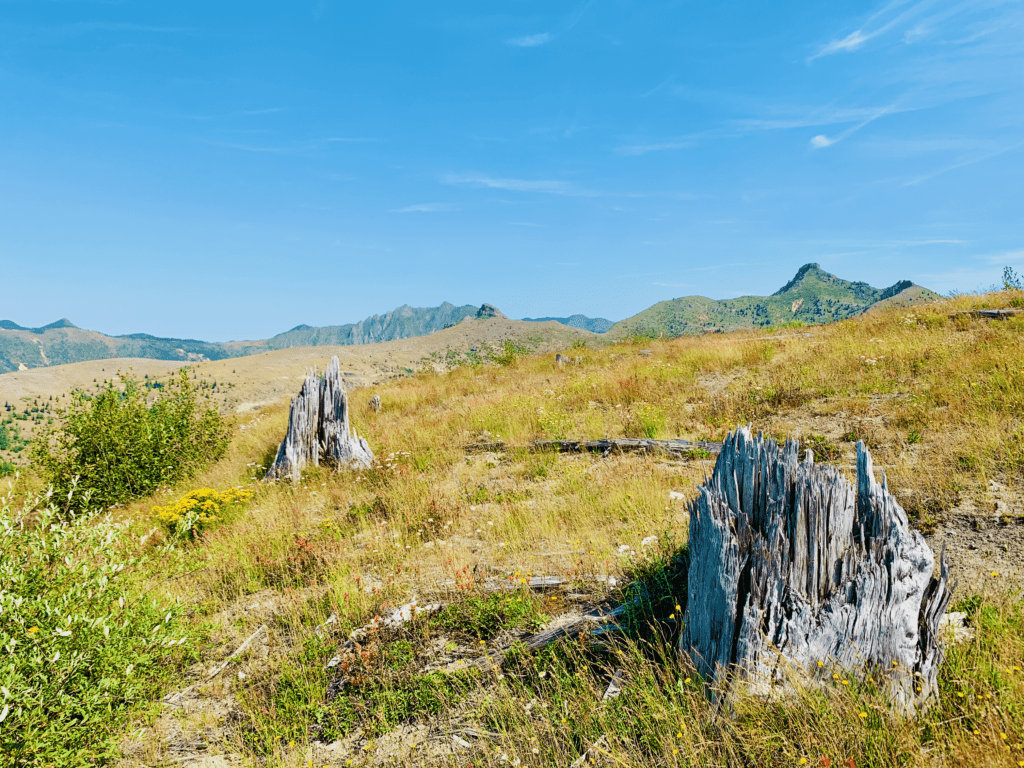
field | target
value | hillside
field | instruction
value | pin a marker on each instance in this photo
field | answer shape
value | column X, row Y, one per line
column 813, row 297
column 62, row 342
column 245, row 384
column 293, row 569
column 592, row 324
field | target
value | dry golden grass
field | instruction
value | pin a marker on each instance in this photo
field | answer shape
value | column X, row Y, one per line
column 937, row 397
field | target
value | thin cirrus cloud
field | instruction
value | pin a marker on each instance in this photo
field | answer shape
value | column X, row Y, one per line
column 963, row 162
column 856, row 39
column 426, row 208
column 861, row 116
column 821, row 141
column 306, row 146
column 633, row 150
column 115, row 26
column 546, row 186
column 530, row 41
column 1002, row 258
column 543, row 38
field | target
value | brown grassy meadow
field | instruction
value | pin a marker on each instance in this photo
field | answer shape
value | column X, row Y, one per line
column 937, row 396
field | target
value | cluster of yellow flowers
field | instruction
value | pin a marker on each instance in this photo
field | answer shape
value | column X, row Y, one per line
column 198, row 510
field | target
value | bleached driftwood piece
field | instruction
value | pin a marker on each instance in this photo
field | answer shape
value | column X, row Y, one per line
column 318, row 428
column 174, row 698
column 793, row 571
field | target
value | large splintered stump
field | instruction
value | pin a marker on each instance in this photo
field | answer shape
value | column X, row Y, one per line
column 318, row 429
column 796, row 573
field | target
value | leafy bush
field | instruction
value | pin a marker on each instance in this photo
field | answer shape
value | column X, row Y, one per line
column 198, row 510
column 78, row 645
column 115, row 447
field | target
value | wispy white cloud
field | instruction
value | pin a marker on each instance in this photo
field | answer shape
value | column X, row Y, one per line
column 577, row 15
column 821, row 141
column 250, row 147
column 633, row 150
column 817, row 117
column 543, row 38
column 268, row 111
column 305, row 146
column 550, row 187
column 115, row 26
column 426, row 208
column 856, row 39
column 889, row 146
column 964, row 278
column 530, row 41
column 1006, row 256
column 929, row 25
column 963, row 162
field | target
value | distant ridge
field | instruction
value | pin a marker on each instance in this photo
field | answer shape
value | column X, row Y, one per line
column 7, row 325
column 813, row 296
column 592, row 324
column 63, row 342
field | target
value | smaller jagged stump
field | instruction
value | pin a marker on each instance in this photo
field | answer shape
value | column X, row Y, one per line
column 796, row 574
column 318, row 429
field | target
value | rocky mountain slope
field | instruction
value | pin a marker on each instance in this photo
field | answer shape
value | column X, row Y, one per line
column 813, row 296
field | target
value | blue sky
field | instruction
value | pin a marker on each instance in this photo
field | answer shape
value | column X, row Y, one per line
column 227, row 170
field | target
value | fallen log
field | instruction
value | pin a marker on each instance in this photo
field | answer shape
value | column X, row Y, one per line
column 629, row 445
column 990, row 314
column 802, row 575
column 677, row 447
column 318, row 428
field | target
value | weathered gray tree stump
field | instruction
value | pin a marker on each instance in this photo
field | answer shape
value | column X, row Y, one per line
column 375, row 403
column 796, row 573
column 318, row 429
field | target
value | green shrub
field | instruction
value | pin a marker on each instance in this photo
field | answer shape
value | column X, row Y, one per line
column 114, row 446
column 509, row 352
column 657, row 591
column 487, row 616
column 79, row 646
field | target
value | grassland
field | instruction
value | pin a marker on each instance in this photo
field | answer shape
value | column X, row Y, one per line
column 937, row 396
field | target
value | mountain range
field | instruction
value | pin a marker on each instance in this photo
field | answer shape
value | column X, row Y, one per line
column 812, row 296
